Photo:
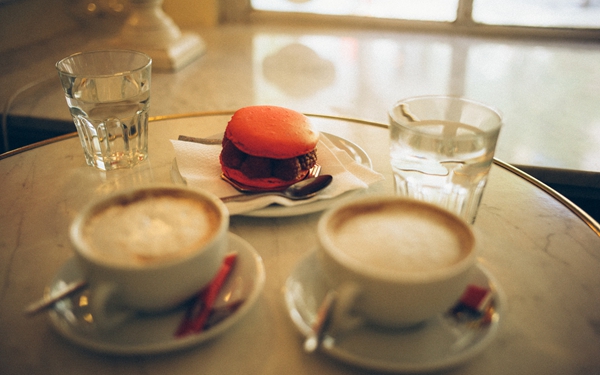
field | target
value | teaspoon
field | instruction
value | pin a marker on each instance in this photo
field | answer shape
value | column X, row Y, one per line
column 49, row 301
column 300, row 190
column 321, row 324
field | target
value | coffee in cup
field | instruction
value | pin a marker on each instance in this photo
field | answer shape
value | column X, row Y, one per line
column 148, row 249
column 405, row 260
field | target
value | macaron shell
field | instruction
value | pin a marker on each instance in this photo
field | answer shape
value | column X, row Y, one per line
column 273, row 132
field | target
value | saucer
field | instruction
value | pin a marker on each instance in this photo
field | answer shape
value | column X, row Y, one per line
column 439, row 344
column 352, row 149
column 155, row 333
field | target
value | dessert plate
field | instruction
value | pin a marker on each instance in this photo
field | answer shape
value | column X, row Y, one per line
column 441, row 343
column 149, row 334
column 352, row 149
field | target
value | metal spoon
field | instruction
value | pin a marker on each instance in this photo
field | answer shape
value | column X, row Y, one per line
column 300, row 190
column 321, row 324
column 48, row 301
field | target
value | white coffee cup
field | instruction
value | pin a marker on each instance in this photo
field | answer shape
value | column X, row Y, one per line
column 148, row 249
column 394, row 261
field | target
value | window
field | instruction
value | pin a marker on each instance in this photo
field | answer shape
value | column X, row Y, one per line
column 538, row 13
column 430, row 10
column 579, row 18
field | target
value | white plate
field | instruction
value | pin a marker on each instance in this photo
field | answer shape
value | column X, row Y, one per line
column 439, row 344
column 355, row 151
column 148, row 334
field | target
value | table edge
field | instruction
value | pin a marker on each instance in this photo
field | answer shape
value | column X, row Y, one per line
column 584, row 216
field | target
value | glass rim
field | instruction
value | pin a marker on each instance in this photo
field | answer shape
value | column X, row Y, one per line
column 450, row 97
column 493, row 110
column 147, row 63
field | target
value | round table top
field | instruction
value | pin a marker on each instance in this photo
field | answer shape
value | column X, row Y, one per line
column 543, row 252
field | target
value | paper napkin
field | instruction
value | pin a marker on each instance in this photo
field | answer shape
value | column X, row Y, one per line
column 199, row 166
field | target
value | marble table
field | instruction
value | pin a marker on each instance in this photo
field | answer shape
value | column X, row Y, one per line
column 543, row 252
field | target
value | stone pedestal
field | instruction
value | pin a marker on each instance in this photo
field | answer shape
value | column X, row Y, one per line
column 150, row 30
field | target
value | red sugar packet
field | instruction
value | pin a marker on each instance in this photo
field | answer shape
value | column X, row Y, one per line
column 199, row 311
column 476, row 298
column 475, row 307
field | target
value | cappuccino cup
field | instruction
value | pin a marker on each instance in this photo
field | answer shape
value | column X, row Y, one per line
column 148, row 249
column 394, row 261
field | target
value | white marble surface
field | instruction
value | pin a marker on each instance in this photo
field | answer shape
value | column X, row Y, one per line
column 545, row 258
column 547, row 90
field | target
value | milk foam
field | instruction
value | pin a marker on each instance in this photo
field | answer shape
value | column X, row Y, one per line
column 152, row 229
column 400, row 238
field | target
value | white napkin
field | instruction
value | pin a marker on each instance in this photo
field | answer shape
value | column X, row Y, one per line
column 199, row 166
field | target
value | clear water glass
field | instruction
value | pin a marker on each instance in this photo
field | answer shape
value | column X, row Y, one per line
column 108, row 94
column 441, row 150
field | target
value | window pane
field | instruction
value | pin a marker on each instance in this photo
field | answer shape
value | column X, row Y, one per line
column 426, row 10
column 544, row 13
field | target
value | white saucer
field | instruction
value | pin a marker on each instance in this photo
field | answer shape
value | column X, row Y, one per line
column 441, row 343
column 352, row 149
column 148, row 334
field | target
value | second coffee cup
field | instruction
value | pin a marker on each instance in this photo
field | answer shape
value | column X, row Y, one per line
column 148, row 249
column 401, row 261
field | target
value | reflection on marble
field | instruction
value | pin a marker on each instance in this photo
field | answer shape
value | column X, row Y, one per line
column 298, row 71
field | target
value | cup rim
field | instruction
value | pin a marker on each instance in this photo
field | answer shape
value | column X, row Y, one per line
column 326, row 244
column 492, row 109
column 77, row 225
column 145, row 65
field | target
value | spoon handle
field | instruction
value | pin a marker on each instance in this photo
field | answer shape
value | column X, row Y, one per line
column 49, row 301
column 249, row 197
column 322, row 322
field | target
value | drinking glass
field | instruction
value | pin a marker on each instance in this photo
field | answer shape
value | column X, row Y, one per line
column 108, row 94
column 441, row 150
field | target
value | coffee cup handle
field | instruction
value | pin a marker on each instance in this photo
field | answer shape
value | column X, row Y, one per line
column 106, row 316
column 344, row 316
